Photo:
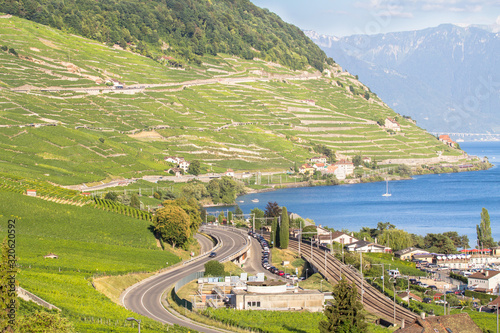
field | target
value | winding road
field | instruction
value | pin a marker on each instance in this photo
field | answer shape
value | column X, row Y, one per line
column 144, row 298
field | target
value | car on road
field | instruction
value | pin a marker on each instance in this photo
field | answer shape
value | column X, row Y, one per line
column 281, row 273
column 212, row 254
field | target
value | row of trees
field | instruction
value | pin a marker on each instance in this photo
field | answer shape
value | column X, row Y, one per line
column 447, row 242
column 219, row 190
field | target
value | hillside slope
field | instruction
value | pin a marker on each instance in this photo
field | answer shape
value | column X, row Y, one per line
column 444, row 77
column 60, row 122
column 184, row 29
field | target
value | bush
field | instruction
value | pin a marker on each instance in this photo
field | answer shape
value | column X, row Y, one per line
column 214, row 268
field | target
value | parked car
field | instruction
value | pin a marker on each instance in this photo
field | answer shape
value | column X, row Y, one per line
column 433, row 287
column 427, row 299
column 281, row 273
column 413, row 281
column 440, row 301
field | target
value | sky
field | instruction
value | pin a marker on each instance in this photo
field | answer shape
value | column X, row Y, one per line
column 349, row 17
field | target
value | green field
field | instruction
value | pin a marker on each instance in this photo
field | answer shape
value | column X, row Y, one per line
column 268, row 120
column 89, row 242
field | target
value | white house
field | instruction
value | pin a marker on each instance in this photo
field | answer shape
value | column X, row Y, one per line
column 184, row 165
column 229, row 173
column 487, row 280
column 392, row 124
column 337, row 237
column 347, row 167
column 407, row 254
column 365, row 246
column 318, row 159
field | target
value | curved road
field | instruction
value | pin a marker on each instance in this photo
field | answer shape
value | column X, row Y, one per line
column 145, row 298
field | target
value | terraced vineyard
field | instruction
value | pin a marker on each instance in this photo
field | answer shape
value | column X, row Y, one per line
column 59, row 121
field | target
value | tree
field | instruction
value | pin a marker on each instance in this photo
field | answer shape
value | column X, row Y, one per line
column 238, row 211
column 306, row 230
column 396, row 239
column 458, row 241
column 111, row 196
column 42, row 321
column 134, row 201
column 221, row 217
column 229, row 217
column 8, row 303
column 357, row 160
column 404, row 170
column 172, row 225
column 272, row 209
column 439, row 243
column 345, row 313
column 284, row 229
column 258, row 214
column 195, row 190
column 484, row 238
column 194, row 168
column 274, row 230
column 214, row 268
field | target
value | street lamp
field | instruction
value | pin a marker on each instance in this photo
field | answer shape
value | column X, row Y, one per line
column 321, row 285
column 138, row 322
column 306, row 272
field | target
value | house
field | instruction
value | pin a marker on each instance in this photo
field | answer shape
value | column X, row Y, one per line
column 184, row 165
column 172, row 159
column 306, row 168
column 367, row 160
column 404, row 296
column 485, row 280
column 31, row 193
column 347, row 167
column 319, row 166
column 339, row 173
column 229, row 173
column 407, row 254
column 175, row 171
column 424, row 257
column 319, row 159
column 392, row 124
column 460, row 322
column 335, row 237
column 447, row 140
column 365, row 246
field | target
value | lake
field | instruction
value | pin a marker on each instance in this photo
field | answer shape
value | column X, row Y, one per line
column 424, row 204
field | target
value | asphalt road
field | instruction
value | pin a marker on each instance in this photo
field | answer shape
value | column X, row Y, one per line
column 145, row 299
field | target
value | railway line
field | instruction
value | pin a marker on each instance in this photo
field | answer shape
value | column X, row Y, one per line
column 333, row 269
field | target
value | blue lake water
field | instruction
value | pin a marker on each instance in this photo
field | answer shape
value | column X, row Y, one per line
column 424, row 204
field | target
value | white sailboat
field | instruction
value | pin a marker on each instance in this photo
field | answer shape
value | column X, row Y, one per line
column 386, row 194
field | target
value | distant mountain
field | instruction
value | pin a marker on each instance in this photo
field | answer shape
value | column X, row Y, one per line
column 447, row 78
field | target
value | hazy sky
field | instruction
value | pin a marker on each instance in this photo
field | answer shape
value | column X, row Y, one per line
column 348, row 17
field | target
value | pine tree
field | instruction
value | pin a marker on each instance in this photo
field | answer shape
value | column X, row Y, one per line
column 484, row 238
column 284, row 229
column 221, row 218
column 229, row 217
column 344, row 314
column 274, row 229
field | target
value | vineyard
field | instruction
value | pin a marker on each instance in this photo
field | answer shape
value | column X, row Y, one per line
column 116, row 207
column 275, row 321
column 44, row 190
column 89, row 242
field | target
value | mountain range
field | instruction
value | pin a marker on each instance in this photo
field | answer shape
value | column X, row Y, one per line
column 446, row 78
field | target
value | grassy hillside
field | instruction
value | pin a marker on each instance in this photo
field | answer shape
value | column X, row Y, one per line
column 89, row 242
column 59, row 122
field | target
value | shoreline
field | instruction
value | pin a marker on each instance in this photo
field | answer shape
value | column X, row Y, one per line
column 321, row 182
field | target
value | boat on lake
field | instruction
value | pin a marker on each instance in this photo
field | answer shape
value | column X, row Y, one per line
column 386, row 194
column 255, row 200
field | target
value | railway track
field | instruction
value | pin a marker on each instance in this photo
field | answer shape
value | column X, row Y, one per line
column 373, row 300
